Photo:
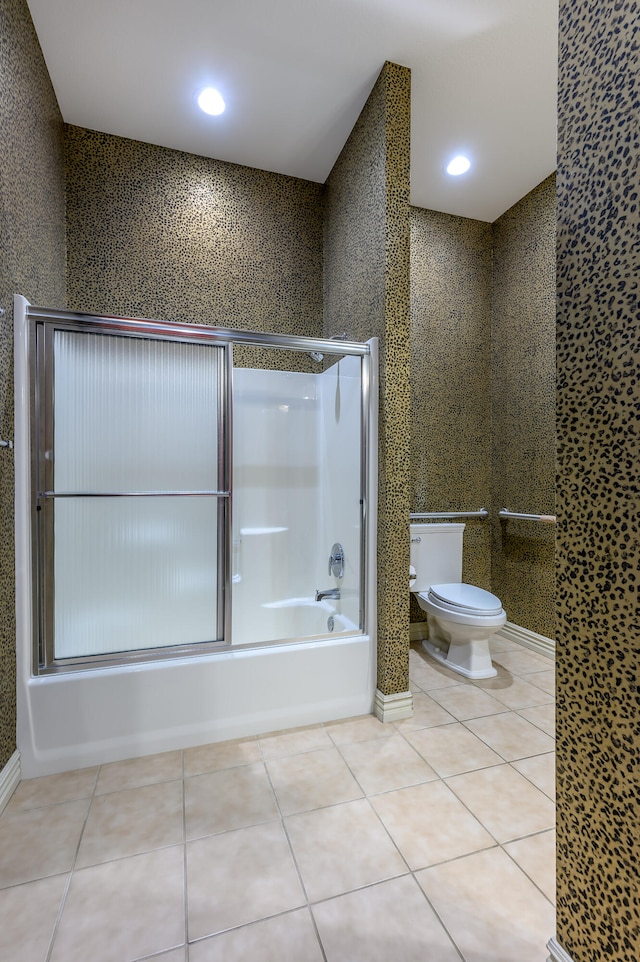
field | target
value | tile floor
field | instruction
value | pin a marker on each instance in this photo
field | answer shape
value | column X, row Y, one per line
column 430, row 839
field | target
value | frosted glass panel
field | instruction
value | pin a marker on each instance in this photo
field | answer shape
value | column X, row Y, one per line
column 133, row 414
column 133, row 573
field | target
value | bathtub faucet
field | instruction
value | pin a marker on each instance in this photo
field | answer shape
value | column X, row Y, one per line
column 328, row 593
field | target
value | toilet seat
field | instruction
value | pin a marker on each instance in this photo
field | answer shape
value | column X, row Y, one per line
column 465, row 600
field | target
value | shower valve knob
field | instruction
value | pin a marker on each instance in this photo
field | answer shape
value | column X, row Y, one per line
column 336, row 561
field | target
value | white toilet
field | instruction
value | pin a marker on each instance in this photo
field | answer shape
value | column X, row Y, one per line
column 461, row 618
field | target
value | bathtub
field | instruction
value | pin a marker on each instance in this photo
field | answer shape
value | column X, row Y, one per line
column 85, row 718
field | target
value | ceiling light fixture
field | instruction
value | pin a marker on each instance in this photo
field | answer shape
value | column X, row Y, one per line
column 459, row 165
column 210, row 100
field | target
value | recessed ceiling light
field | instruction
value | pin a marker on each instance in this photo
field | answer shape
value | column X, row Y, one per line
column 459, row 165
column 210, row 100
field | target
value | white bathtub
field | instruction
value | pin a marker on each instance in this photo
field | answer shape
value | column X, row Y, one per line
column 84, row 718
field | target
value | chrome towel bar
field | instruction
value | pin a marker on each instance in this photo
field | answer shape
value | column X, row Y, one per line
column 545, row 518
column 482, row 513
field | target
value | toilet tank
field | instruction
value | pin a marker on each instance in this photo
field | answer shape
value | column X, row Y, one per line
column 436, row 554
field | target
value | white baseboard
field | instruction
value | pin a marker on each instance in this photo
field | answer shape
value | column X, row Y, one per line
column 390, row 708
column 9, row 779
column 522, row 636
column 557, row 953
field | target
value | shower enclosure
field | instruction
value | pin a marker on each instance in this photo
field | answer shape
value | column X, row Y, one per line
column 194, row 534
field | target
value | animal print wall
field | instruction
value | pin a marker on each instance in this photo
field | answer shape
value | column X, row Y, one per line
column 367, row 295
column 598, row 539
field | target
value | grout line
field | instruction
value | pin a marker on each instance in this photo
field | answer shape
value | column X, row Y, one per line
column 185, row 875
column 65, row 894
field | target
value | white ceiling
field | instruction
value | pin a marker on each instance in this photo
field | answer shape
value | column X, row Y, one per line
column 296, row 73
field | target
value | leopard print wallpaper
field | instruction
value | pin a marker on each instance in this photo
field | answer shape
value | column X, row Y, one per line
column 32, row 262
column 483, row 392
column 598, row 538
column 154, row 232
column 523, row 455
column 451, row 378
column 367, row 294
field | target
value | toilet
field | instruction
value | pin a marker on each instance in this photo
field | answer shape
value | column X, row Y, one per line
column 461, row 618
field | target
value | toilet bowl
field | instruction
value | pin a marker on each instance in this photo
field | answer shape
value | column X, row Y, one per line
column 461, row 618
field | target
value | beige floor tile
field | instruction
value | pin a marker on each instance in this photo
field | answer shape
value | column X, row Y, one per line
column 467, row 701
column 240, row 877
column 520, row 662
column 28, row 916
column 384, row 922
column 384, row 764
column 536, row 856
column 342, row 848
column 429, row 824
column 126, row 909
column 544, row 679
column 312, row 780
column 452, row 749
column 490, row 908
column 426, row 714
column 220, row 755
column 498, row 643
column 541, row 770
column 226, row 800
column 505, row 802
column 430, row 675
column 40, row 842
column 131, row 822
column 544, row 716
column 286, row 938
column 309, row 739
column 511, row 736
column 135, row 772
column 514, row 692
column 53, row 789
column 357, row 729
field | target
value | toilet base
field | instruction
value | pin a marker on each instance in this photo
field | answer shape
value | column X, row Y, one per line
column 472, row 660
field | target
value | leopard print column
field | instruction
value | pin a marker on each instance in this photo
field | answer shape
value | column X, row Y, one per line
column 598, row 419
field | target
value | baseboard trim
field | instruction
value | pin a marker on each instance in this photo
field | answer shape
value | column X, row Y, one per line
column 9, row 779
column 530, row 639
column 390, row 708
column 557, row 953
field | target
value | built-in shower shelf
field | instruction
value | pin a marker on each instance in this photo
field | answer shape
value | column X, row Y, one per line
column 252, row 531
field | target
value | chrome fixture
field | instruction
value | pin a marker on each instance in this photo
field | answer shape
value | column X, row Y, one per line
column 333, row 593
column 330, row 623
column 336, row 561
column 482, row 513
column 316, row 356
column 545, row 518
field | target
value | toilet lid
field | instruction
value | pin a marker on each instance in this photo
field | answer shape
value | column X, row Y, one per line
column 467, row 598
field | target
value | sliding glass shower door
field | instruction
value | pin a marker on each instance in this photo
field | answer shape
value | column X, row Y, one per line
column 132, row 492
column 136, row 547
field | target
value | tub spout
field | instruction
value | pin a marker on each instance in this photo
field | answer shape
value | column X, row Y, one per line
column 328, row 593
